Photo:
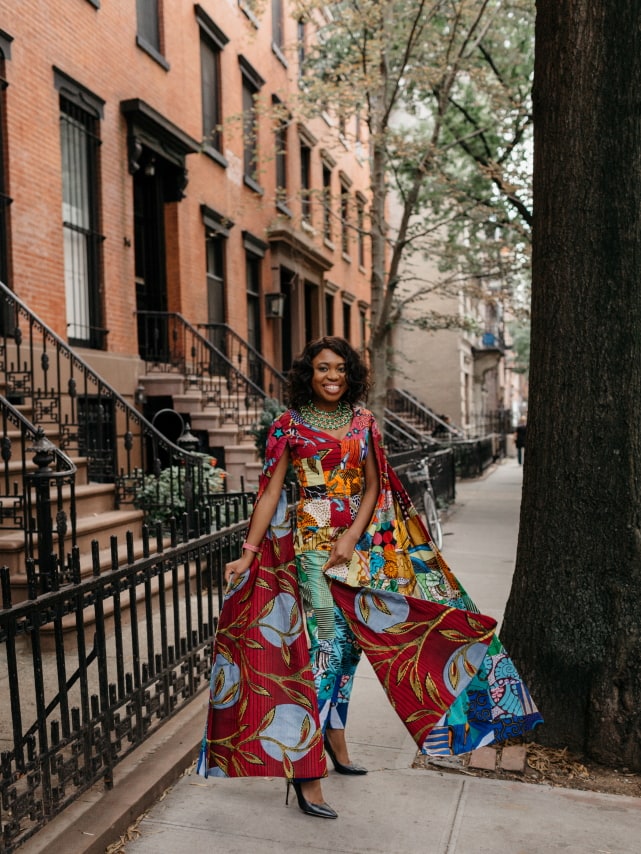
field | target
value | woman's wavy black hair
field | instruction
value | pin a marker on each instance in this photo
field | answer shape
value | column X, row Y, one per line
column 299, row 380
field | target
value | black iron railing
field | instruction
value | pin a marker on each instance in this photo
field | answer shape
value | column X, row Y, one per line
column 37, row 494
column 247, row 359
column 231, row 387
column 92, row 668
column 86, row 418
column 410, row 408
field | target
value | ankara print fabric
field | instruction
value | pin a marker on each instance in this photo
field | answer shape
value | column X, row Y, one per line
column 263, row 712
column 444, row 672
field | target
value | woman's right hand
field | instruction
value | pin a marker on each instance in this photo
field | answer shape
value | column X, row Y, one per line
column 236, row 568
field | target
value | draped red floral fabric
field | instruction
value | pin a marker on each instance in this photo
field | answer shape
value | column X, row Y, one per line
column 423, row 635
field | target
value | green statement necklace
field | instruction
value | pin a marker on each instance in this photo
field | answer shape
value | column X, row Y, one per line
column 327, row 419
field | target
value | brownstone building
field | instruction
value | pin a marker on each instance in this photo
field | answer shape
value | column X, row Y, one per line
column 152, row 161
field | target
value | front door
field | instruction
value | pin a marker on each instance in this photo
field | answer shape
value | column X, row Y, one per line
column 150, row 250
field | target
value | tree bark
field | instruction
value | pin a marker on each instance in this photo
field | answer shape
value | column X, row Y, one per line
column 573, row 620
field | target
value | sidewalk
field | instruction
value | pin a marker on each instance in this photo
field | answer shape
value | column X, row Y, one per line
column 394, row 808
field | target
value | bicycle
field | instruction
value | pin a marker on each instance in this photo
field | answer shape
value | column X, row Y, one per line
column 431, row 515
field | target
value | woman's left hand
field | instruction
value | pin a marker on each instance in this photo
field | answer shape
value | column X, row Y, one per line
column 342, row 550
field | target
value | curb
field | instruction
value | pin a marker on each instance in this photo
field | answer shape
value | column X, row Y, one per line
column 100, row 816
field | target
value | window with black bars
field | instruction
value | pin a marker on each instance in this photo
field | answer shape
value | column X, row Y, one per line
column 344, row 220
column 5, row 201
column 211, row 93
column 281, row 160
column 82, row 240
column 306, row 181
column 327, row 202
column 250, row 130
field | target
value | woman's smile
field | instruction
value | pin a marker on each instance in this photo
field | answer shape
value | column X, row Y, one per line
column 329, row 380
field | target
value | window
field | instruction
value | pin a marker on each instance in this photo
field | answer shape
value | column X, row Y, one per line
column 329, row 314
column 360, row 226
column 300, row 43
column 327, row 202
column 212, row 41
column 282, row 124
column 5, row 201
column 362, row 319
column 252, row 83
column 149, row 34
column 254, row 253
column 345, row 220
column 347, row 321
column 80, row 112
column 278, row 31
column 305, row 181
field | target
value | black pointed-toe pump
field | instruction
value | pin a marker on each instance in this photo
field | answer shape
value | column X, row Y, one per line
column 338, row 766
column 317, row 810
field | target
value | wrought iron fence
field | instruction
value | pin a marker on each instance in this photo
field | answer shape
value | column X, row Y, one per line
column 37, row 493
column 92, row 667
column 86, row 418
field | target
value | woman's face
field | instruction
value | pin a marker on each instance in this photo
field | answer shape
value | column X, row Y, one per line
column 329, row 380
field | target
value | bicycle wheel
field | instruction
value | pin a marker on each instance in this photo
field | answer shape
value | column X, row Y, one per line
column 432, row 519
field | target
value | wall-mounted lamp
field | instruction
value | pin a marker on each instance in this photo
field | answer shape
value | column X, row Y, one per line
column 274, row 305
column 140, row 395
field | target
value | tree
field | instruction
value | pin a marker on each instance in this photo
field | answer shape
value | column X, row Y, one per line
column 573, row 620
column 428, row 78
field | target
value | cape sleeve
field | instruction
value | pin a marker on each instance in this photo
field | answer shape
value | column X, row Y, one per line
column 263, row 713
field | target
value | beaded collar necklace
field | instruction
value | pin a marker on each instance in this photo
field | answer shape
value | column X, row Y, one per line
column 327, row 419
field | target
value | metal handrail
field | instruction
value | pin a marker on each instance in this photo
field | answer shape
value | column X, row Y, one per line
column 168, row 342
column 404, row 402
column 37, row 499
column 89, row 419
column 270, row 379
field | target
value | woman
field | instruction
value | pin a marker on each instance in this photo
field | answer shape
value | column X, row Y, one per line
column 369, row 579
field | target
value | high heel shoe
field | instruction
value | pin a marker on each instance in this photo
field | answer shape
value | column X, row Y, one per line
column 317, row 810
column 338, row 766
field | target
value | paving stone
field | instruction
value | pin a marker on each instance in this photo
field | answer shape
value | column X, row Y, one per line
column 484, row 758
column 513, row 758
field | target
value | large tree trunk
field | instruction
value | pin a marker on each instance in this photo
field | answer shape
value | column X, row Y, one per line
column 573, row 620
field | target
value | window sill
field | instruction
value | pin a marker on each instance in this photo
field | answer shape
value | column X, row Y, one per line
column 246, row 10
column 212, row 152
column 281, row 207
column 329, row 244
column 253, row 185
column 280, row 56
column 346, row 257
column 151, row 51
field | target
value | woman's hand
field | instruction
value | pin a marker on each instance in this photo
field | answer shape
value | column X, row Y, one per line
column 342, row 550
column 237, row 567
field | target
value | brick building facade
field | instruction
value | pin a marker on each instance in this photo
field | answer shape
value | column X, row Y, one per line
column 152, row 159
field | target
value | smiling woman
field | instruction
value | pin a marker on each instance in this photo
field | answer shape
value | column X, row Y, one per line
column 361, row 565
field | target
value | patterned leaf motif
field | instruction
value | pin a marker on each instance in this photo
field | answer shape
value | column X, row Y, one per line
column 432, row 690
column 260, row 582
column 402, row 670
column 305, row 729
column 454, row 635
column 258, row 689
column 252, row 758
column 417, row 688
column 400, row 628
column 454, row 674
column 294, row 616
column 229, row 695
column 288, row 767
column 219, row 683
column 381, row 605
column 253, row 644
column 284, row 650
column 267, row 720
column 363, row 607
